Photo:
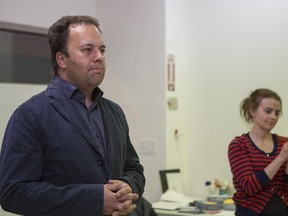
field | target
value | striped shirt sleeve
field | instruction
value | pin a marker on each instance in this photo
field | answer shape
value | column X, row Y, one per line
column 243, row 171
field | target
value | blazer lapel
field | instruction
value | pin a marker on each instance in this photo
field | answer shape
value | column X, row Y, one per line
column 72, row 115
column 111, row 138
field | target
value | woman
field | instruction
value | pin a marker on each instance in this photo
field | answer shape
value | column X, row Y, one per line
column 258, row 158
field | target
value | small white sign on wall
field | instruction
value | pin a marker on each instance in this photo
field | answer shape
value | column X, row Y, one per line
column 171, row 72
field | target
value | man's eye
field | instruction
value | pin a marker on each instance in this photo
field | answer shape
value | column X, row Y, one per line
column 87, row 50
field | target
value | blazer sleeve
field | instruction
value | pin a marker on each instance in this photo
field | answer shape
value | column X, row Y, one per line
column 22, row 191
column 117, row 135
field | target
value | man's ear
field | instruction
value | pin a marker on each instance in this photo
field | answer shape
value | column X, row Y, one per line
column 61, row 60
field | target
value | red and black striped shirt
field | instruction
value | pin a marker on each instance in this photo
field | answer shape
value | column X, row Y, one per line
column 253, row 186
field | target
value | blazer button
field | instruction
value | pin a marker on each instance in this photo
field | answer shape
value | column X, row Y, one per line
column 100, row 162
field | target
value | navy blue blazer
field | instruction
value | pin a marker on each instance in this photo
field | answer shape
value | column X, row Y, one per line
column 50, row 165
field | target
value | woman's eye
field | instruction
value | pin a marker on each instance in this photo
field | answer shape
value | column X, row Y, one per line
column 278, row 113
column 268, row 111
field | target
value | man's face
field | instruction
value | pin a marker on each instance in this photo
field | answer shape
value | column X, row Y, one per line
column 85, row 64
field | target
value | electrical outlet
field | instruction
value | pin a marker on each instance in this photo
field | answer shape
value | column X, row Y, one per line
column 148, row 147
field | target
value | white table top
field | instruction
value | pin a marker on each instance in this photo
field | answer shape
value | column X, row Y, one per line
column 176, row 213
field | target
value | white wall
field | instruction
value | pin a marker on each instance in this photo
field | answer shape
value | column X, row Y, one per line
column 43, row 13
column 134, row 32
column 233, row 47
column 176, row 44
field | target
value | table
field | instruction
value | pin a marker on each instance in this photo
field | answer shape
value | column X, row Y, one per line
column 176, row 213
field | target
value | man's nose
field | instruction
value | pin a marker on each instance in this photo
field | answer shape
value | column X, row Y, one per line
column 98, row 55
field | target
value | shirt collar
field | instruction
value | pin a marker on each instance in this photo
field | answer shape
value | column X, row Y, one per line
column 70, row 90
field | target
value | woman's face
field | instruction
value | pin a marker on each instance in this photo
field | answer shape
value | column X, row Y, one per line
column 266, row 116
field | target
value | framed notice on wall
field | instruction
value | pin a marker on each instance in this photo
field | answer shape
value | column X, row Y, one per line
column 171, row 72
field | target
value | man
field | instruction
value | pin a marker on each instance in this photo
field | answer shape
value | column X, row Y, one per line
column 67, row 151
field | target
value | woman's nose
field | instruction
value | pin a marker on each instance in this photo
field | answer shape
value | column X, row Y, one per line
column 274, row 115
